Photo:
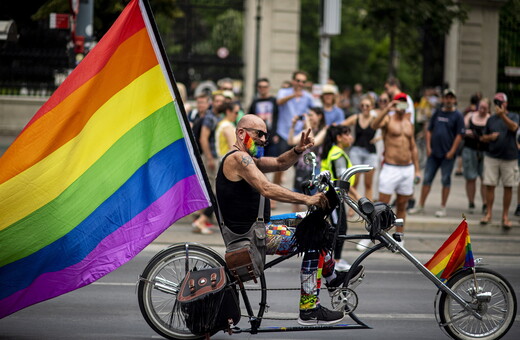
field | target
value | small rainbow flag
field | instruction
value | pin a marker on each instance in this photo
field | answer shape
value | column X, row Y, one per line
column 103, row 168
column 455, row 253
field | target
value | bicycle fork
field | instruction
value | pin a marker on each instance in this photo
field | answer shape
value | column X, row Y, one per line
column 434, row 279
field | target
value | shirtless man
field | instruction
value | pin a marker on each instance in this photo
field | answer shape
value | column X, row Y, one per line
column 241, row 181
column 401, row 163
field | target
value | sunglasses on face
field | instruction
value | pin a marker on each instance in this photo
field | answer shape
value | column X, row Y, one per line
column 259, row 133
column 299, row 80
column 364, row 105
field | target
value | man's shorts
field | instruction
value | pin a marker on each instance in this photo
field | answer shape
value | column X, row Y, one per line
column 396, row 178
column 499, row 169
column 472, row 163
column 433, row 164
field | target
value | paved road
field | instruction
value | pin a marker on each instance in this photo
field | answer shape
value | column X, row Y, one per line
column 394, row 299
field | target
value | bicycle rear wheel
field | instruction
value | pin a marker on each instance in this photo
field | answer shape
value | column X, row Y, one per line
column 160, row 282
column 494, row 299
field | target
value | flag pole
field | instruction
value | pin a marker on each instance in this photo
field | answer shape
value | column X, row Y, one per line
column 173, row 83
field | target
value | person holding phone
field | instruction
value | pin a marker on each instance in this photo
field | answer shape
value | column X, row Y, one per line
column 500, row 160
column 401, row 164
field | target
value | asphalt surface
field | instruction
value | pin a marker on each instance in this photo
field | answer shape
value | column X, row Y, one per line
column 424, row 233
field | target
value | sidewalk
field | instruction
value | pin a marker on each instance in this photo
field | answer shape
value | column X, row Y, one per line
column 423, row 233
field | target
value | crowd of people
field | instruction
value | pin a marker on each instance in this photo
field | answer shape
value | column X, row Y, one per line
column 383, row 130
column 345, row 129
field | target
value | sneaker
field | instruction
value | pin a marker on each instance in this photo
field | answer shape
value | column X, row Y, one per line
column 471, row 208
column 401, row 243
column 319, row 316
column 416, row 211
column 339, row 280
column 342, row 266
column 441, row 213
column 363, row 245
column 411, row 204
column 517, row 211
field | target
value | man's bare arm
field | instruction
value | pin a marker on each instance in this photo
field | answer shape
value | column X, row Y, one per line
column 244, row 167
column 381, row 120
column 287, row 159
column 454, row 147
column 415, row 154
column 280, row 163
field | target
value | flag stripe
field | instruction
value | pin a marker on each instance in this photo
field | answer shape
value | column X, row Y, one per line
column 145, row 227
column 56, row 172
column 108, row 169
column 144, row 187
column 92, row 188
column 442, row 263
column 63, row 122
column 128, row 23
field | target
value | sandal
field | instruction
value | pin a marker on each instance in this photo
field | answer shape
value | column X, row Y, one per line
column 507, row 225
column 485, row 220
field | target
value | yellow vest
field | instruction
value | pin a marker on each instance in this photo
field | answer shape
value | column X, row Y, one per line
column 335, row 153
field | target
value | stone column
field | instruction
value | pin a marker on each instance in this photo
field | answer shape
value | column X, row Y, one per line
column 471, row 54
column 279, row 43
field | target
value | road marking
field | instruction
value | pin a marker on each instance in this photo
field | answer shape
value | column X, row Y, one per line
column 113, row 284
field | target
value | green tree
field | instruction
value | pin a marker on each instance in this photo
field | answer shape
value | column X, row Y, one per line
column 378, row 38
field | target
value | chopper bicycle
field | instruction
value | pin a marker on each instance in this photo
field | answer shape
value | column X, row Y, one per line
column 475, row 303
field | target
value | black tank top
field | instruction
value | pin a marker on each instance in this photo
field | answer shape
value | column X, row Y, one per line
column 238, row 202
column 364, row 136
column 475, row 143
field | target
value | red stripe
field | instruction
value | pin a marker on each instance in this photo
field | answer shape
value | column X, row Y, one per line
column 129, row 22
column 447, row 246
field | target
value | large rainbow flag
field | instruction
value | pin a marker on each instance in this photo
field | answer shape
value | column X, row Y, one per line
column 101, row 170
column 455, row 253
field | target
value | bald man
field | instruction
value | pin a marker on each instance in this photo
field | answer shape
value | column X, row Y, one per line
column 241, row 181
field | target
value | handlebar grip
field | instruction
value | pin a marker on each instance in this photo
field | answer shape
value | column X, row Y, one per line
column 366, row 206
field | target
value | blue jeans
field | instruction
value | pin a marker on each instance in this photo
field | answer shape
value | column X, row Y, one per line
column 433, row 164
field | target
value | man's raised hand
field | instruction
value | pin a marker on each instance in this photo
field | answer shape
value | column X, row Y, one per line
column 306, row 142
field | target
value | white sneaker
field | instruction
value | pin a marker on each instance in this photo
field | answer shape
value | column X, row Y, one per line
column 342, row 266
column 441, row 213
column 363, row 245
column 416, row 211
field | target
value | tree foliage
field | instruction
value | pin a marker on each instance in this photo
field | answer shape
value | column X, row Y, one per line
column 371, row 32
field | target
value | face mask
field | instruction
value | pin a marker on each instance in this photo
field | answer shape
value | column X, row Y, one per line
column 252, row 148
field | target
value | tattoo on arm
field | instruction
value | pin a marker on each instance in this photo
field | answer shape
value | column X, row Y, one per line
column 246, row 160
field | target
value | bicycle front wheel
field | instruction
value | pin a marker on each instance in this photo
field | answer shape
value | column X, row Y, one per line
column 492, row 296
column 160, row 283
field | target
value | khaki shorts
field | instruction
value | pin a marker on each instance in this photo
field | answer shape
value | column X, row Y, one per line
column 496, row 169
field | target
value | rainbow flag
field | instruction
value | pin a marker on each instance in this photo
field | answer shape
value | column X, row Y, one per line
column 102, row 169
column 455, row 253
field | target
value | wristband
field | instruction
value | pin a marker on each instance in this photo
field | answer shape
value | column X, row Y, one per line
column 296, row 152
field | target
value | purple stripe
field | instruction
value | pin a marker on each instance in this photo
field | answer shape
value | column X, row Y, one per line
column 185, row 197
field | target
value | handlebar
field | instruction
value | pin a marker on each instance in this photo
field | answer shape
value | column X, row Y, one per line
column 348, row 173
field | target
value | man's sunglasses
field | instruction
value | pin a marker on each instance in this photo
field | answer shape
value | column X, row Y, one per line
column 259, row 133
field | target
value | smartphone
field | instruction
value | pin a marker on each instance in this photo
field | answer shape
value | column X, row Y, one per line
column 302, row 117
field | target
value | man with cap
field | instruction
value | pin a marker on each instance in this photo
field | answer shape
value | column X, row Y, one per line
column 401, row 164
column 500, row 160
column 443, row 136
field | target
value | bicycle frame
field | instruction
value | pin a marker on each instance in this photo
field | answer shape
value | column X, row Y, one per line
column 385, row 241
